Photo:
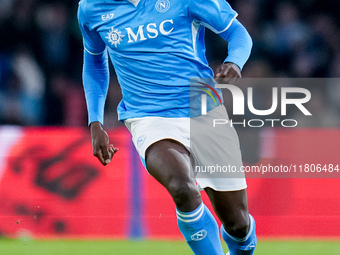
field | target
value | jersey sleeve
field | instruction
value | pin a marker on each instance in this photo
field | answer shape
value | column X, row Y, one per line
column 239, row 43
column 92, row 41
column 217, row 15
column 95, row 69
column 96, row 84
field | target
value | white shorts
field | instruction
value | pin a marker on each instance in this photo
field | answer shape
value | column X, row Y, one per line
column 215, row 150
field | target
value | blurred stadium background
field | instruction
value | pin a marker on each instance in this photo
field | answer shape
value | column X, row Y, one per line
column 51, row 187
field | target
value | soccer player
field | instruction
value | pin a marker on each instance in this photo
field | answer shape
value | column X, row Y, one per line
column 156, row 46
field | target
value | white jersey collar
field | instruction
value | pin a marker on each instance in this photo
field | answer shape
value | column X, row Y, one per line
column 134, row 2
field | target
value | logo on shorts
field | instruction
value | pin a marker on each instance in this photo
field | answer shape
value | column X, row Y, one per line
column 162, row 5
column 141, row 140
column 199, row 235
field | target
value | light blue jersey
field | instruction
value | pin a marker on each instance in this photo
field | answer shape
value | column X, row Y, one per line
column 156, row 46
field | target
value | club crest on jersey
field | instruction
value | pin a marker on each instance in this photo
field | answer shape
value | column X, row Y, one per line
column 114, row 37
column 162, row 5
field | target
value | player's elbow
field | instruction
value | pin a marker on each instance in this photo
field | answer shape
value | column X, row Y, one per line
column 249, row 43
column 245, row 42
column 250, row 40
column 243, row 35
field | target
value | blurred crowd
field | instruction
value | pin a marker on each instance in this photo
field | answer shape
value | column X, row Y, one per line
column 41, row 56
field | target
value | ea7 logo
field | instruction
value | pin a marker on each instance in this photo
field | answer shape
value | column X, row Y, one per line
column 108, row 16
column 199, row 235
column 151, row 31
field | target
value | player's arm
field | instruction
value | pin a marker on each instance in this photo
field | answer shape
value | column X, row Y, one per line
column 96, row 83
column 239, row 48
column 218, row 16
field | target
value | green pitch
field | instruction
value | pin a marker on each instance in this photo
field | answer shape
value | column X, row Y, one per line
column 113, row 247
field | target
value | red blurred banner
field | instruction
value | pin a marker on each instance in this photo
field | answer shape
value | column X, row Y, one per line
column 51, row 185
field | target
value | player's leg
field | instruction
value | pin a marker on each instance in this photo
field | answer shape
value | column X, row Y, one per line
column 219, row 146
column 231, row 208
column 238, row 227
column 169, row 163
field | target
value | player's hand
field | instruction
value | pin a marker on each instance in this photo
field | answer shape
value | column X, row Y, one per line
column 228, row 73
column 100, row 143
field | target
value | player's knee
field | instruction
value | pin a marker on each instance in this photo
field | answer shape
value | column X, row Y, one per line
column 238, row 228
column 183, row 192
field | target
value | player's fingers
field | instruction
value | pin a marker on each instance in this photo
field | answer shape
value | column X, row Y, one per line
column 218, row 72
column 106, row 154
column 100, row 157
column 229, row 71
column 225, row 74
column 232, row 76
column 113, row 151
column 232, row 73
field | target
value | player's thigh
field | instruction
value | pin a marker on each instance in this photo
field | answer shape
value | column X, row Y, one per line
column 168, row 160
